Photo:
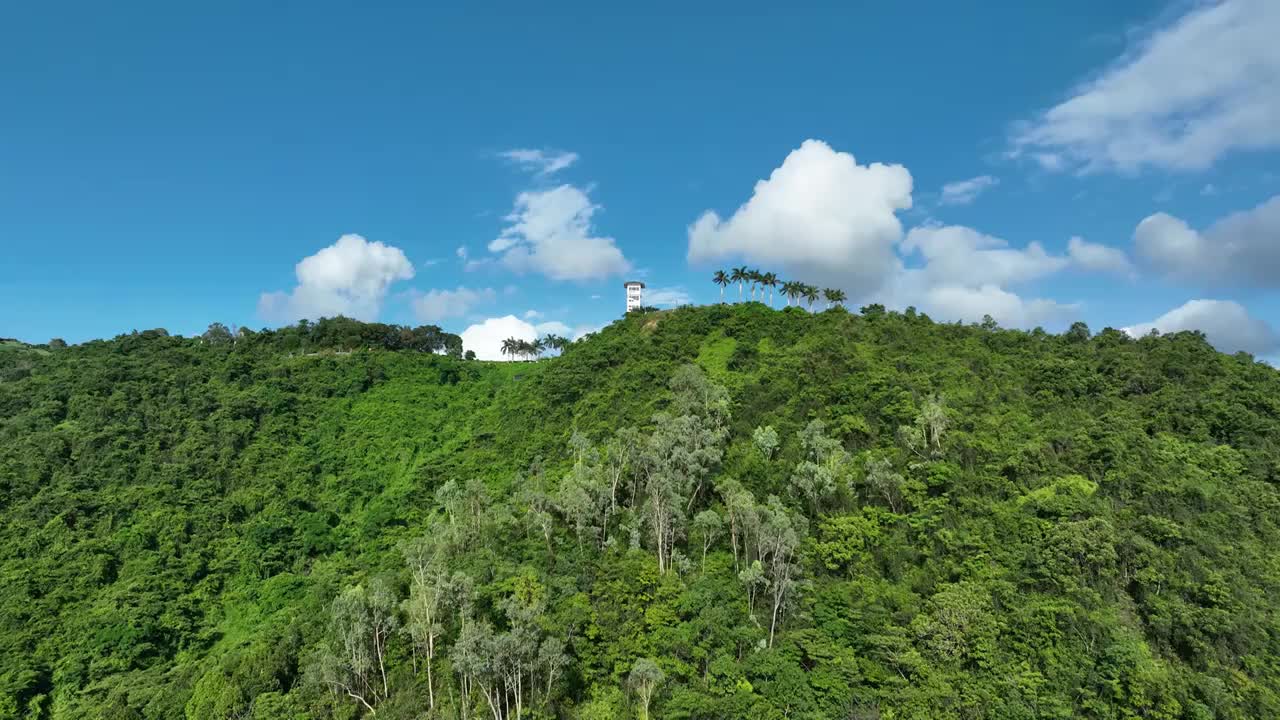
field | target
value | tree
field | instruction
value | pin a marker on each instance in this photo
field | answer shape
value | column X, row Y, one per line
column 771, row 280
column 354, row 663
column 833, row 296
column 779, row 539
column 429, row 595
column 217, row 334
column 708, row 524
column 509, row 347
column 810, row 295
column 57, row 344
column 885, row 482
column 644, row 679
column 721, row 279
column 740, row 276
column 823, row 469
column 793, row 290
column 766, row 440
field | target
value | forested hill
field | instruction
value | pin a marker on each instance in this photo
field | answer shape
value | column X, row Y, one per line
column 716, row 512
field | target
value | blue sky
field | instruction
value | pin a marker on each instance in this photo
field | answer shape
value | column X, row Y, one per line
column 168, row 165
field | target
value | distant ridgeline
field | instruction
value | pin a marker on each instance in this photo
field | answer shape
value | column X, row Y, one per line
column 707, row 513
column 336, row 334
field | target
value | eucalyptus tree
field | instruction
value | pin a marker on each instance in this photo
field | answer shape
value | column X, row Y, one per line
column 430, row 592
column 766, row 441
column 677, row 457
column 709, row 526
column 361, row 621
column 644, row 679
column 824, row 468
column 721, row 278
column 778, row 544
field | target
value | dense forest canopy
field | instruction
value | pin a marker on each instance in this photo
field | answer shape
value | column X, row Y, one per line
column 716, row 512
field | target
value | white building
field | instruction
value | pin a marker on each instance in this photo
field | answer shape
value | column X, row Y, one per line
column 634, row 290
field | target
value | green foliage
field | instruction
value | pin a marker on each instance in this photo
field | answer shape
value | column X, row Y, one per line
column 727, row 511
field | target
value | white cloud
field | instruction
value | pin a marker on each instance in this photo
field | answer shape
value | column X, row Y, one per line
column 461, row 252
column 956, row 254
column 350, row 277
column 820, row 214
column 485, row 338
column 822, row 217
column 1205, row 84
column 1240, row 249
column 552, row 327
column 966, row 303
column 551, row 232
column 532, row 314
column 1094, row 257
column 1226, row 324
column 666, row 297
column 437, row 305
column 963, row 192
column 542, row 162
column 967, row 274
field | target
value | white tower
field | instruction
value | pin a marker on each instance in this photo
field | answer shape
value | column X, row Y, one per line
column 634, row 289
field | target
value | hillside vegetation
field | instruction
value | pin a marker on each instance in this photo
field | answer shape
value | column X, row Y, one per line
column 716, row 512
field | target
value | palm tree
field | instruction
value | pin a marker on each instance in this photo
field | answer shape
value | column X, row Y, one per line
column 555, row 342
column 509, row 347
column 538, row 346
column 524, row 348
column 833, row 296
column 739, row 275
column 810, row 295
column 769, row 280
column 721, row 279
column 792, row 289
column 754, row 277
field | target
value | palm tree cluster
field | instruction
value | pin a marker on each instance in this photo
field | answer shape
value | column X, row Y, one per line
column 792, row 290
column 529, row 350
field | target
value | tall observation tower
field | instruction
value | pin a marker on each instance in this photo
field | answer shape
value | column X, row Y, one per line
column 634, row 290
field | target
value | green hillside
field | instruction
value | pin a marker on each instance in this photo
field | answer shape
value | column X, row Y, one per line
column 715, row 512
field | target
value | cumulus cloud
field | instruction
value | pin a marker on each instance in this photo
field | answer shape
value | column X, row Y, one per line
column 437, row 305
column 1226, row 324
column 485, row 338
column 1205, row 84
column 820, row 214
column 1093, row 257
column 966, row 275
column 542, row 162
column 957, row 254
column 551, row 232
column 1240, row 249
column 963, row 192
column 350, row 277
column 954, row 302
column 822, row 217
column 666, row 297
